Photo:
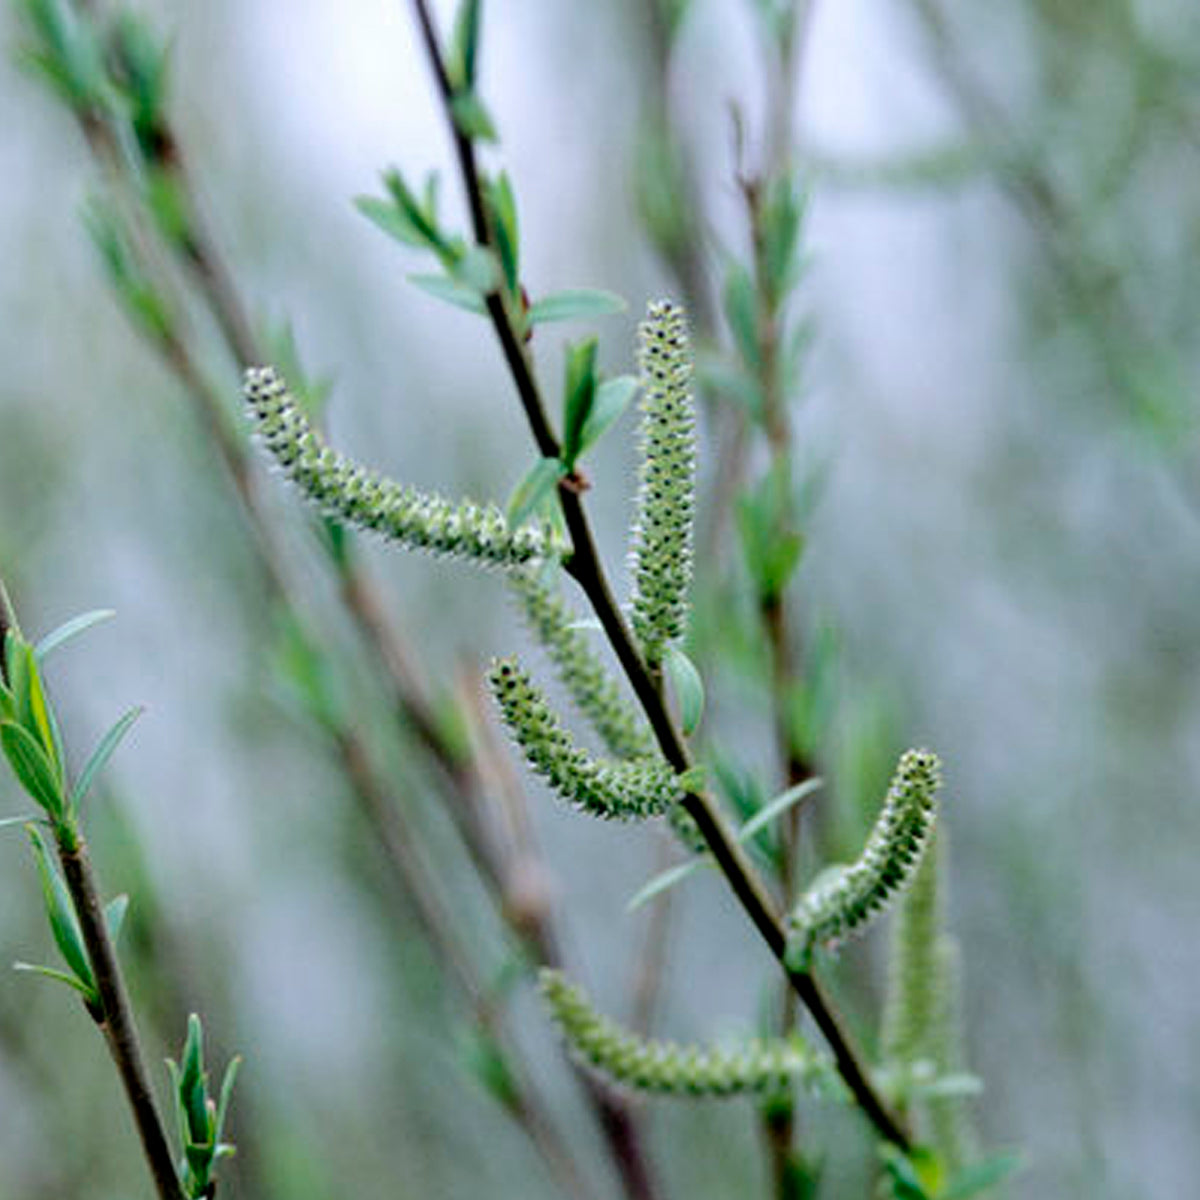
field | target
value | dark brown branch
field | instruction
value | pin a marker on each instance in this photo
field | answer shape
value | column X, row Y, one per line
column 585, row 567
column 114, row 1015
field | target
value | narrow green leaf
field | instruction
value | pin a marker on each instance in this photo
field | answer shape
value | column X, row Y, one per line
column 486, row 1061
column 31, row 767
column 948, row 1086
column 471, row 117
column 8, row 822
column 613, row 397
column 8, row 706
column 463, row 59
column 579, row 391
column 69, row 629
column 386, row 216
column 478, row 268
column 978, row 1178
column 231, row 1074
column 731, row 380
column 777, row 807
column 41, row 719
column 451, row 291
column 574, row 303
column 534, row 490
column 114, row 915
column 688, row 687
column 102, row 753
column 64, row 924
column 503, row 205
column 193, row 1093
column 61, row 976
column 668, row 879
column 586, row 625
column 422, row 220
column 14, row 663
column 741, row 311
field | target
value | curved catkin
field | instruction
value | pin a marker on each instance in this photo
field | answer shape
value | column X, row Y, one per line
column 348, row 492
column 631, row 789
column 662, row 535
column 845, row 899
column 668, row 1068
column 623, row 730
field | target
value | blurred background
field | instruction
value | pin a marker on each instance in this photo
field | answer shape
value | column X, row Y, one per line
column 995, row 439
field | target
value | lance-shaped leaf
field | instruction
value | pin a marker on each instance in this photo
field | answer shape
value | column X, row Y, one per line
column 351, row 493
column 624, row 790
column 668, row 1068
column 102, row 753
column 592, row 688
column 70, row 629
column 64, row 923
column 31, row 767
column 200, row 1117
column 662, row 537
column 844, row 899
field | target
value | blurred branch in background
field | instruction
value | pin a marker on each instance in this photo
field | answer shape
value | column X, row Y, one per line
column 112, row 72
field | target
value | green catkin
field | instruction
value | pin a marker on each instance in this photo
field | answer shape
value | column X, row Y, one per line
column 951, row 1130
column 922, row 1027
column 631, row 789
column 348, row 492
column 668, row 1068
column 595, row 693
column 662, row 536
column 843, row 900
column 911, row 1002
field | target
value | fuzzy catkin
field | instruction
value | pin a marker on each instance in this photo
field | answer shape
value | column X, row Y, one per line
column 668, row 1068
column 845, row 899
column 666, row 501
column 623, row 730
column 630, row 789
column 348, row 492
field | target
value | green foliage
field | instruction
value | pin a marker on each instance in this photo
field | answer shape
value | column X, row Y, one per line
column 662, row 549
column 595, row 693
column 843, row 900
column 667, row 1068
column 573, row 304
column 64, row 924
column 199, row 1115
column 132, row 284
column 687, row 686
column 138, row 67
column 65, row 51
column 369, row 501
column 624, row 790
column 28, row 731
column 750, row 832
column 771, row 548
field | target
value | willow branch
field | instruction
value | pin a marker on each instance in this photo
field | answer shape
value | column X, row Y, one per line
column 114, row 1014
column 584, row 565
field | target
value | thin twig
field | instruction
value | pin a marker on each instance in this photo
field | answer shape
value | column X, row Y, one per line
column 585, row 567
column 113, row 1013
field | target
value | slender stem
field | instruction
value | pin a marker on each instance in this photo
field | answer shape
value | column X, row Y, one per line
column 585, row 567
column 114, row 1015
column 8, row 620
